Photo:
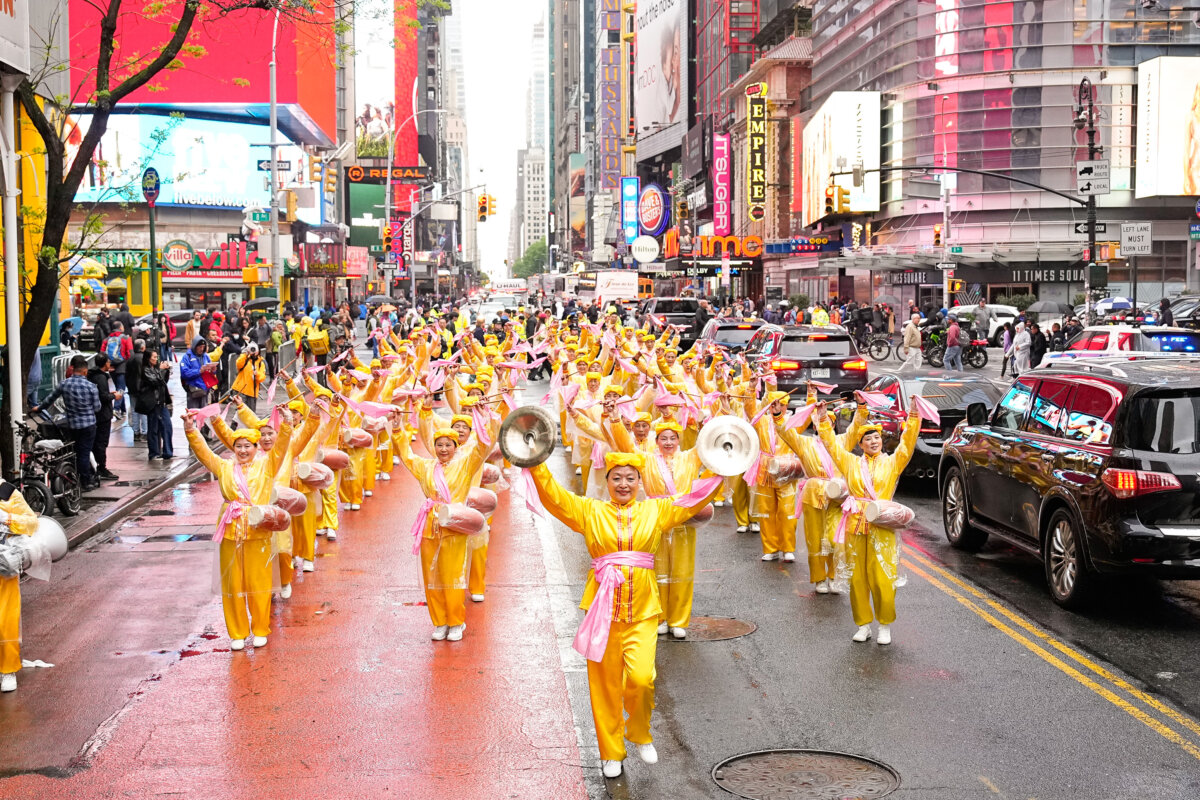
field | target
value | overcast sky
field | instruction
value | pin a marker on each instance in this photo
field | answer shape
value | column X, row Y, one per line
column 496, row 44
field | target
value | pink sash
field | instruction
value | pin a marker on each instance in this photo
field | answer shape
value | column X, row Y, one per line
column 852, row 505
column 591, row 640
column 234, row 509
column 443, row 491
column 664, row 469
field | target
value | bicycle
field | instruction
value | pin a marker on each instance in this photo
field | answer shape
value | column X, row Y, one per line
column 879, row 347
column 49, row 475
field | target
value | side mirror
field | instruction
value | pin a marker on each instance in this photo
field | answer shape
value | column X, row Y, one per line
column 977, row 414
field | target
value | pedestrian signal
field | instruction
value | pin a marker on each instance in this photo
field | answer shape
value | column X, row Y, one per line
column 955, row 285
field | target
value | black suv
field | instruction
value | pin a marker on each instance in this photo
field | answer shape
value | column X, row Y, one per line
column 678, row 311
column 732, row 333
column 800, row 353
column 1092, row 466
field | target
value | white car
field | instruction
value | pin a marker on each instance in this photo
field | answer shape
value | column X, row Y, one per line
column 1108, row 340
column 1000, row 315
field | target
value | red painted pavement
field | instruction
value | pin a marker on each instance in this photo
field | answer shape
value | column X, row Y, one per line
column 350, row 699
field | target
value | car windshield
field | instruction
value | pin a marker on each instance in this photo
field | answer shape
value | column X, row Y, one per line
column 816, row 346
column 954, row 394
column 1173, row 342
column 676, row 306
column 1165, row 422
column 734, row 335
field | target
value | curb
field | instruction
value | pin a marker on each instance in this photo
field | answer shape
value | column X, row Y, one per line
column 86, row 529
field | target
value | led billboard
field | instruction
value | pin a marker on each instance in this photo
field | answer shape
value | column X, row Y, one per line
column 660, row 91
column 1168, row 127
column 844, row 130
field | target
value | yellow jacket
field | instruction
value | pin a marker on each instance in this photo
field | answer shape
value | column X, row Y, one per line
column 884, row 469
column 459, row 473
column 259, row 475
column 252, row 373
column 21, row 519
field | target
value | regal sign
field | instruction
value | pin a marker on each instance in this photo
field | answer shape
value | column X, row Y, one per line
column 361, row 174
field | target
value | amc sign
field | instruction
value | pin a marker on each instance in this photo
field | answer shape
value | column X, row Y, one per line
column 718, row 246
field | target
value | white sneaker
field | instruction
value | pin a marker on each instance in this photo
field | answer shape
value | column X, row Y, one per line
column 355, row 506
column 789, row 557
column 8, row 682
column 321, row 531
column 885, row 634
column 647, row 753
column 754, row 528
column 834, row 588
column 383, row 476
column 285, row 591
column 743, row 528
column 439, row 633
column 367, row 493
column 611, row 769
column 476, row 598
column 395, row 461
column 455, row 633
column 237, row 644
column 718, row 503
column 678, row 633
column 823, row 587
column 297, row 562
column 309, row 566
column 579, row 470
column 862, row 634
column 331, row 533
column 260, row 641
column 770, row 556
column 662, row 629
column 568, row 449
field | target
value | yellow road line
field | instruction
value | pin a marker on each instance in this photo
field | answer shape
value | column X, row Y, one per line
column 1149, row 721
column 1062, row 647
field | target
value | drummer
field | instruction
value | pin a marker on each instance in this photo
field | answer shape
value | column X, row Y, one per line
column 17, row 519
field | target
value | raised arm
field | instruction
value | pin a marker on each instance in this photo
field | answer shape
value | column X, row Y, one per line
column 211, row 461
column 566, row 506
column 908, row 441
column 843, row 458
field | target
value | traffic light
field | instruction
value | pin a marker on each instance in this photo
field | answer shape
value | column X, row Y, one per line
column 955, row 285
column 314, row 170
column 843, row 200
column 830, row 193
column 491, row 204
column 330, row 180
column 482, row 205
column 937, row 234
column 387, row 238
column 290, row 197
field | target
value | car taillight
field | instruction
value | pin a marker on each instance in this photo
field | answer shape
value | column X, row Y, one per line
column 783, row 364
column 857, row 364
column 1126, row 483
column 925, row 429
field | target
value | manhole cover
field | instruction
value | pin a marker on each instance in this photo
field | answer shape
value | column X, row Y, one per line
column 805, row 775
column 714, row 629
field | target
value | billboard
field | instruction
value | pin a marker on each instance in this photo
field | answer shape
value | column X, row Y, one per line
column 577, row 192
column 608, row 107
column 374, row 77
column 14, row 35
column 661, row 88
column 1168, row 127
column 722, row 169
column 845, row 129
column 202, row 162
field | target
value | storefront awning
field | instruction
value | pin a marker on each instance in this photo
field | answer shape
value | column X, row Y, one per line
column 90, row 284
column 117, row 283
column 87, row 267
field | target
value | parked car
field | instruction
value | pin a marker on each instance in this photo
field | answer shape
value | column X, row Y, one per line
column 800, row 353
column 733, row 333
column 1091, row 465
column 1106, row 340
column 949, row 392
column 1186, row 311
column 677, row 311
column 179, row 317
column 1001, row 315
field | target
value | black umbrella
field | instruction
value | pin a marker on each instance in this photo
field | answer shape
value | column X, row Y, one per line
column 262, row 304
column 1049, row 307
column 379, row 299
column 891, row 300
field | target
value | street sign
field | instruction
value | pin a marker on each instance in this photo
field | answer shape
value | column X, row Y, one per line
column 260, row 216
column 1091, row 177
column 956, row 249
column 1194, row 232
column 265, row 165
column 150, row 185
column 1082, row 227
column 946, row 265
column 1136, row 238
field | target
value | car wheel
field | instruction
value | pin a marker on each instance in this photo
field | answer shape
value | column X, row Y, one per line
column 956, row 514
column 1067, row 575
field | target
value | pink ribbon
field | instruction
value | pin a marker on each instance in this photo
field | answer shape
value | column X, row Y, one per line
column 591, row 640
column 203, row 415
column 926, row 409
column 751, row 475
column 338, row 358
column 480, row 419
column 824, row 388
column 311, row 370
column 801, row 416
column 874, row 399
column 570, row 392
column 668, row 400
column 597, row 456
column 664, row 469
column 235, row 508
column 527, row 488
column 626, row 366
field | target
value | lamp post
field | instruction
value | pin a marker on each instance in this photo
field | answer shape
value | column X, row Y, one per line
column 1085, row 119
column 387, row 194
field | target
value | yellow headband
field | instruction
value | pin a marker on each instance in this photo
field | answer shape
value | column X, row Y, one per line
column 297, row 405
column 463, row 418
column 249, row 434
column 773, row 396
column 376, row 364
column 643, row 416
column 446, row 433
column 472, row 385
column 635, row 460
column 467, row 402
column 873, row 428
column 668, row 426
column 613, row 390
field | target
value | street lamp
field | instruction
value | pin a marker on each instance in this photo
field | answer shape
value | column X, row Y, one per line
column 387, row 195
column 1085, row 119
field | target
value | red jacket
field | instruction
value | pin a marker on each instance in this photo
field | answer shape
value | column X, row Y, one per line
column 126, row 345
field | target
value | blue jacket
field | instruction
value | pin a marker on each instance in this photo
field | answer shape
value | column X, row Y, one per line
column 190, row 364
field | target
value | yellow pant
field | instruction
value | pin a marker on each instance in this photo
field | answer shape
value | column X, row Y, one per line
column 287, row 572
column 741, row 501
column 304, row 528
column 10, row 625
column 246, row 580
column 675, row 563
column 478, row 582
column 350, row 488
column 623, row 684
column 586, row 469
column 562, row 426
column 329, row 508
column 820, row 567
column 447, row 605
column 370, row 467
column 869, row 584
column 771, row 511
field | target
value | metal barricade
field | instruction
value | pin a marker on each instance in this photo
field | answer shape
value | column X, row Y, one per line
column 287, row 356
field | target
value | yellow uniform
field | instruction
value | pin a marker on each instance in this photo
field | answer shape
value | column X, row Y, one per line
column 675, row 560
column 873, row 553
column 622, row 684
column 21, row 521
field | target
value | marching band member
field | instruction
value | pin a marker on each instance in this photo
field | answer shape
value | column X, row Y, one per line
column 773, row 502
column 873, row 551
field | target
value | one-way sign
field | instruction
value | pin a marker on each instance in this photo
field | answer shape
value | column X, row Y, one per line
column 1082, row 227
column 265, row 165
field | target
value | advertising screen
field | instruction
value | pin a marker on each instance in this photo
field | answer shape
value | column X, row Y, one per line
column 201, row 162
column 577, row 195
column 660, row 93
column 846, row 126
column 374, row 77
column 1168, row 127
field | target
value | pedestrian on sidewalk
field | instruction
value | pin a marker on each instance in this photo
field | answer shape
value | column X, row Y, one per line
column 953, row 357
column 133, row 377
column 154, row 400
column 1006, row 343
column 118, row 347
column 251, row 375
column 101, row 375
column 82, row 401
column 274, row 342
column 1020, row 351
column 911, row 345
column 166, row 336
column 197, row 373
column 194, row 327
column 1038, row 345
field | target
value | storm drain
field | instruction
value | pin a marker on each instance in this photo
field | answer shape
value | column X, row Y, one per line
column 805, row 775
column 714, row 629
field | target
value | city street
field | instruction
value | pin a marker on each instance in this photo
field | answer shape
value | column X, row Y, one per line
column 989, row 690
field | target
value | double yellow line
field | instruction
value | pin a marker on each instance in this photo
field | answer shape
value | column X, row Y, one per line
column 1153, row 713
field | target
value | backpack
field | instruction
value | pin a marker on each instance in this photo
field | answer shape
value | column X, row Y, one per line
column 112, row 349
column 318, row 342
column 964, row 338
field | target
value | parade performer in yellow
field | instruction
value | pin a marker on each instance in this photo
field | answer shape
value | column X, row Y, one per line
column 618, row 634
column 16, row 519
column 873, row 552
column 772, row 502
column 244, row 552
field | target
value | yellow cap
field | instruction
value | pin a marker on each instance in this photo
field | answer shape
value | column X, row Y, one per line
column 446, row 433
column 668, row 426
column 463, row 418
column 635, row 460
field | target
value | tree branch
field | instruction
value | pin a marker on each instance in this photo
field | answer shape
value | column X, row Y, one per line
column 108, row 43
column 139, row 79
